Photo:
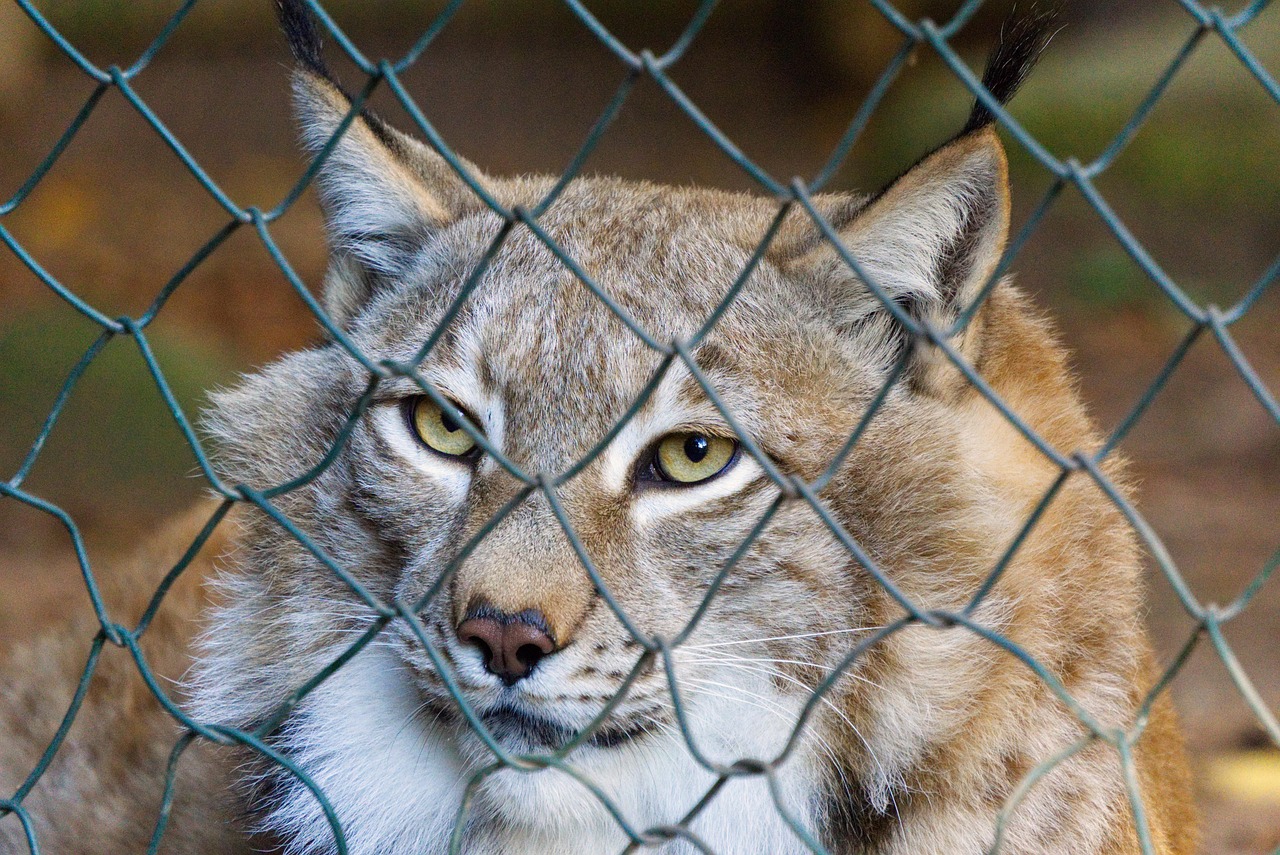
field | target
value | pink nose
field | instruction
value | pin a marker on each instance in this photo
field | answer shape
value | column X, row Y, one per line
column 510, row 644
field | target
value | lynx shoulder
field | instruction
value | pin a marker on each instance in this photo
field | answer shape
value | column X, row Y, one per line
column 458, row 505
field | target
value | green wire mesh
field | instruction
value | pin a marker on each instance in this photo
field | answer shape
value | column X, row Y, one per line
column 790, row 195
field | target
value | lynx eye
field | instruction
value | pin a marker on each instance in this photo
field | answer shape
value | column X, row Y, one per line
column 437, row 430
column 688, row 458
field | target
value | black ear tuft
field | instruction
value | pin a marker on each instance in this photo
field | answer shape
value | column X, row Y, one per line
column 1023, row 37
column 299, row 26
column 300, row 29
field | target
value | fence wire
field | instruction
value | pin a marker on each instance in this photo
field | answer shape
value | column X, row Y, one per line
column 1205, row 23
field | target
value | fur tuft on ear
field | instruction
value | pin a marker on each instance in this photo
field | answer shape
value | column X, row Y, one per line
column 1023, row 37
column 300, row 31
column 383, row 192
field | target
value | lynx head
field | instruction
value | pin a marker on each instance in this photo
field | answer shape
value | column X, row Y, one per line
column 566, row 470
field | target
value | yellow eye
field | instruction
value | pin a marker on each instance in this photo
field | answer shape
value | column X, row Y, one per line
column 438, row 431
column 688, row 458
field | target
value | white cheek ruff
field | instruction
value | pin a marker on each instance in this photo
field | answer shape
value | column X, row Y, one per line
column 395, row 777
column 389, row 774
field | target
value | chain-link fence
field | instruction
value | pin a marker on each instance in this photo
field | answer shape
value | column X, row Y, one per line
column 793, row 196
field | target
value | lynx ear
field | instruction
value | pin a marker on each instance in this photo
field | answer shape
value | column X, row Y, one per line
column 383, row 192
column 931, row 239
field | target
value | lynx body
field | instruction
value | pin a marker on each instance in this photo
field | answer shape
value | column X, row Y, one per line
column 927, row 734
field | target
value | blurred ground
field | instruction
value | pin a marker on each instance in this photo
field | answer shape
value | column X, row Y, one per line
column 118, row 215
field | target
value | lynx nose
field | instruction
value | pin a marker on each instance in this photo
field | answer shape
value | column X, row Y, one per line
column 510, row 644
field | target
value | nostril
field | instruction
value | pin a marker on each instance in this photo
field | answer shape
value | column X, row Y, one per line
column 485, row 635
column 529, row 654
column 486, row 652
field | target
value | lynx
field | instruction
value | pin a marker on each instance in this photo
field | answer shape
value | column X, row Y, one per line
column 917, row 746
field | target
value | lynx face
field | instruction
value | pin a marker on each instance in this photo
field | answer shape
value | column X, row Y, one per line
column 913, row 749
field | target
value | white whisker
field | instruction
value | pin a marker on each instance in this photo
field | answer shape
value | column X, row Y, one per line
column 779, row 637
column 731, row 660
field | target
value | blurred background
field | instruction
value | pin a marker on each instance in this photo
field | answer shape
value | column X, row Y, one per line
column 515, row 86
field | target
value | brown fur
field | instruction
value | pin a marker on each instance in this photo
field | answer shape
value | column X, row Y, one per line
column 102, row 791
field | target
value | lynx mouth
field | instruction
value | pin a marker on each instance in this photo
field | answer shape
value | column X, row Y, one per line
column 510, row 725
column 521, row 730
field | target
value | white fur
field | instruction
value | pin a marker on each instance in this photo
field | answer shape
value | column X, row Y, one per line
column 366, row 190
column 395, row 777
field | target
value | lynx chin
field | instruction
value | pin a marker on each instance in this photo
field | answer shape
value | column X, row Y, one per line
column 919, row 745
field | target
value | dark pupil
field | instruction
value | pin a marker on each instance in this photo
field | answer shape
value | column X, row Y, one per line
column 449, row 424
column 695, row 448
